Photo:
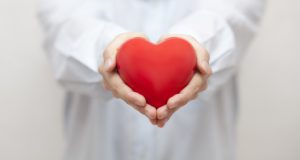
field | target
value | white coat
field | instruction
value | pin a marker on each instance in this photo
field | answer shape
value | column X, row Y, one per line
column 101, row 127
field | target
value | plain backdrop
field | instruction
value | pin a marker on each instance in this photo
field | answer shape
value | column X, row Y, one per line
column 31, row 101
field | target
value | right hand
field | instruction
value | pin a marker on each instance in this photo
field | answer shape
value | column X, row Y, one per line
column 113, row 82
column 197, row 84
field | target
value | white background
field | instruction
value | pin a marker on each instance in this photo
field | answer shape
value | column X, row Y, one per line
column 30, row 101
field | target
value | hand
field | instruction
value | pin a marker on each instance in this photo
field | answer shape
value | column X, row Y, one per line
column 113, row 82
column 197, row 84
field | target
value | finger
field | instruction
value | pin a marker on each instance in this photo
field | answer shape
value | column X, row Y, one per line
column 109, row 60
column 109, row 55
column 203, row 60
column 138, row 108
column 101, row 68
column 105, row 85
column 197, row 84
column 131, row 97
column 161, row 123
column 202, row 53
column 162, row 112
column 165, row 112
column 153, row 121
column 204, row 68
column 121, row 90
column 177, row 101
column 150, row 112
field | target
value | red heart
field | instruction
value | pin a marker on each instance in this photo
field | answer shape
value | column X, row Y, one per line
column 156, row 71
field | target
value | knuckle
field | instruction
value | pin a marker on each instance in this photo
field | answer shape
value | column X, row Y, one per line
column 204, row 86
column 198, row 87
column 115, row 89
column 183, row 101
column 119, row 94
column 125, row 95
column 128, row 98
column 188, row 98
column 194, row 97
column 116, row 86
column 115, row 94
column 105, row 85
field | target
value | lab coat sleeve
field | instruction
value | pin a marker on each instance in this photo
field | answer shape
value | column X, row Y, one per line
column 77, row 33
column 224, row 28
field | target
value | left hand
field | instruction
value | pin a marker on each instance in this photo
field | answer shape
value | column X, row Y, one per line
column 113, row 82
column 197, row 84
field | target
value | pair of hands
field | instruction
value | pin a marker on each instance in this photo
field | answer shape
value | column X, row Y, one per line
column 113, row 82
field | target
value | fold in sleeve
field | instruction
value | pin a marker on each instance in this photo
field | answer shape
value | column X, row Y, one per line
column 77, row 33
column 225, row 28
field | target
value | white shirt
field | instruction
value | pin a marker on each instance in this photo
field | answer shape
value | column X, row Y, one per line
column 100, row 127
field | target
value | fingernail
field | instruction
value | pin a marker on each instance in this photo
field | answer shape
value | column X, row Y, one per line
column 107, row 64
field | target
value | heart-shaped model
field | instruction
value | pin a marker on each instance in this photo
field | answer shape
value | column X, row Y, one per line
column 156, row 71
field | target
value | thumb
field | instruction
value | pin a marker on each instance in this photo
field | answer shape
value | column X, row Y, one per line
column 109, row 58
column 111, row 52
column 203, row 60
column 204, row 68
column 109, row 63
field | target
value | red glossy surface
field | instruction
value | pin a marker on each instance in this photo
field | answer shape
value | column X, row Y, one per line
column 156, row 71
